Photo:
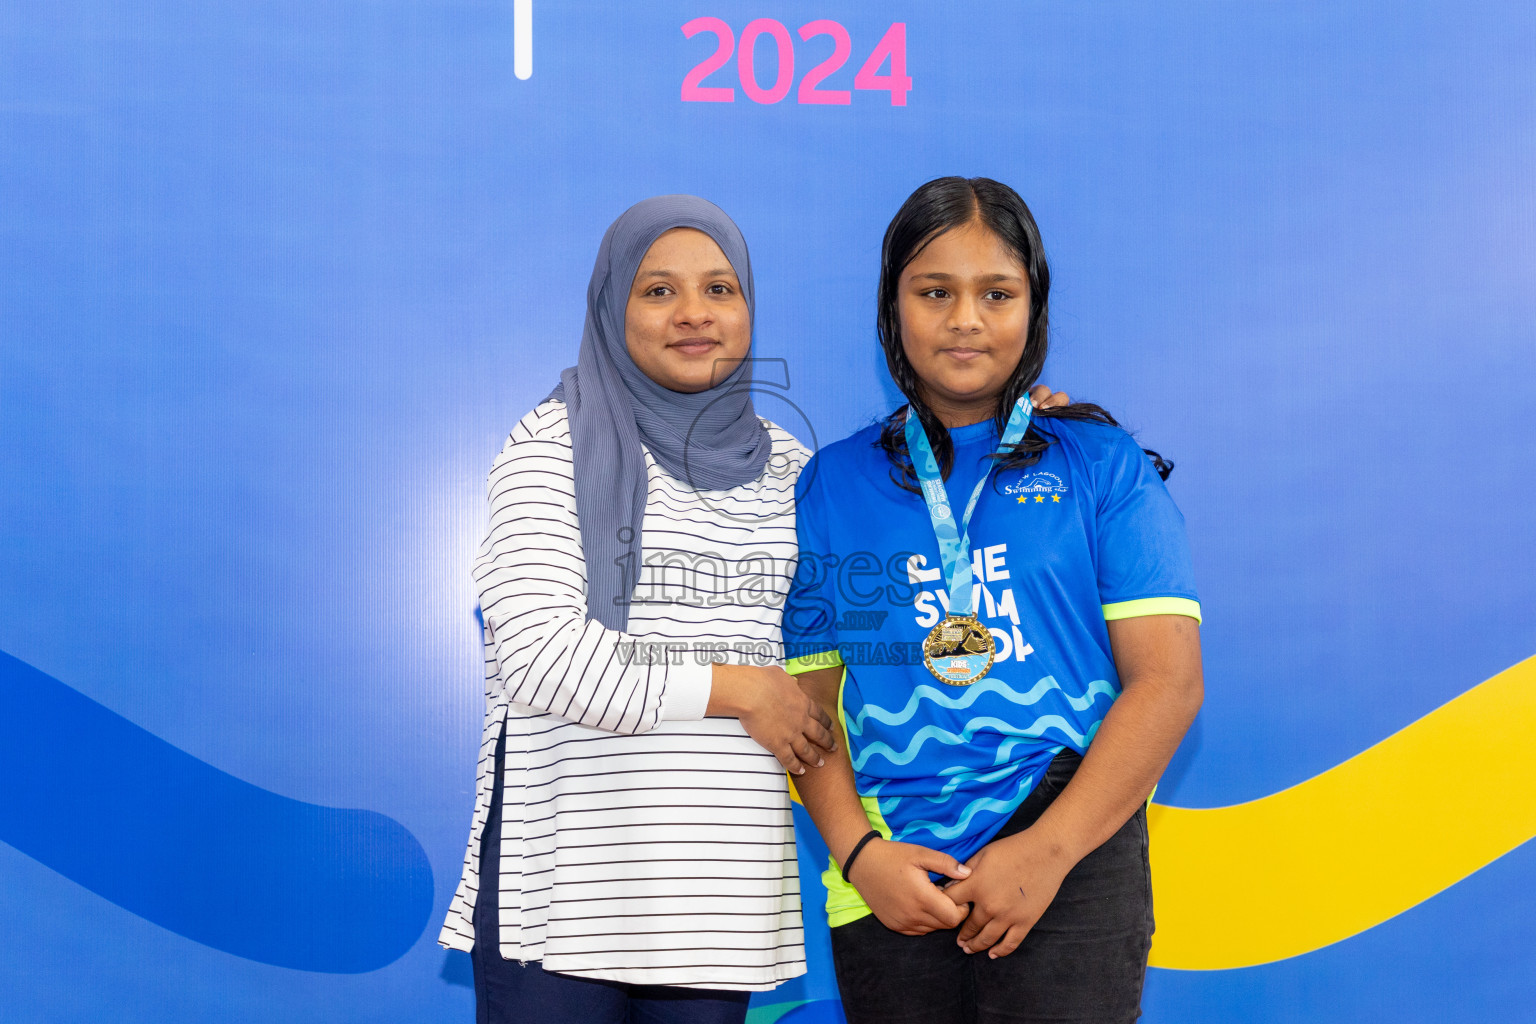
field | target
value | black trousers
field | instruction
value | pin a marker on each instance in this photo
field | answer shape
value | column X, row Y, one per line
column 1082, row 963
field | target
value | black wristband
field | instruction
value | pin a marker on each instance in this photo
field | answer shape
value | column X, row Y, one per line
column 871, row 834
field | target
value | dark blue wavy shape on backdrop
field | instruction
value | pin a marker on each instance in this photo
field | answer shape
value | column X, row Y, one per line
column 196, row 850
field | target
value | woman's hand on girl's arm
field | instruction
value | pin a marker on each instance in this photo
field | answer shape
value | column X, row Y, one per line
column 892, row 877
column 1158, row 659
column 775, row 712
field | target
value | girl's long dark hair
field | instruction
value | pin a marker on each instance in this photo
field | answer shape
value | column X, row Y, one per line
column 937, row 207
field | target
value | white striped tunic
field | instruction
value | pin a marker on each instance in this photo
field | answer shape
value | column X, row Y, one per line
column 641, row 842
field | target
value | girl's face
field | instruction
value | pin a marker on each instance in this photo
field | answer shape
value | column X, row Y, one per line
column 964, row 308
column 686, row 324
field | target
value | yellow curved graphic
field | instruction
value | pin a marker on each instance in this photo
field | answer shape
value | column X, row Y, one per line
column 1360, row 843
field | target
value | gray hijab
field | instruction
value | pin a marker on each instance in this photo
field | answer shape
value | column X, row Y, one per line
column 710, row 440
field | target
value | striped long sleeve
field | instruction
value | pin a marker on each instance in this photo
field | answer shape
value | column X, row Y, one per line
column 531, row 575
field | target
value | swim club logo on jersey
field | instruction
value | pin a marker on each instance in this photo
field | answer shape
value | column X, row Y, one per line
column 1037, row 488
column 997, row 600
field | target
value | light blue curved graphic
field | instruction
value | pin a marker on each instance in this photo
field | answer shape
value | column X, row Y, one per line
column 975, row 692
column 959, row 775
column 1036, row 729
column 978, row 806
column 1006, row 747
column 174, row 840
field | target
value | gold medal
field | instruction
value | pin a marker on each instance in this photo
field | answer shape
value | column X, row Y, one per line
column 959, row 650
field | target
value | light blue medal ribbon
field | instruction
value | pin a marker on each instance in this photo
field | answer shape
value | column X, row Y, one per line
column 958, row 650
column 955, row 540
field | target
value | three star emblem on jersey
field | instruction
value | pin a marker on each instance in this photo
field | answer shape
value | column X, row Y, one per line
column 1038, row 488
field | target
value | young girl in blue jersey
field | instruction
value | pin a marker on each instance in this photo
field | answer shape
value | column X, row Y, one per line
column 1013, row 690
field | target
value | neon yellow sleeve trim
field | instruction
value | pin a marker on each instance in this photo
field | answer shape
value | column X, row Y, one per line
column 1152, row 606
column 812, row 662
column 844, row 904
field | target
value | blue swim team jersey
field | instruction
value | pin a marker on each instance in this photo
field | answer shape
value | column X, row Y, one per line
column 1086, row 534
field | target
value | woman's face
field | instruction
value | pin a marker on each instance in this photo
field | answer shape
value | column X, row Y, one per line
column 964, row 308
column 686, row 324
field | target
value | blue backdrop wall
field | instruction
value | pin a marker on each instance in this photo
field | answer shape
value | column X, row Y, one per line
column 277, row 277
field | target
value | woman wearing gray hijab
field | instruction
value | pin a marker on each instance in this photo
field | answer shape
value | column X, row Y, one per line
column 632, row 852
